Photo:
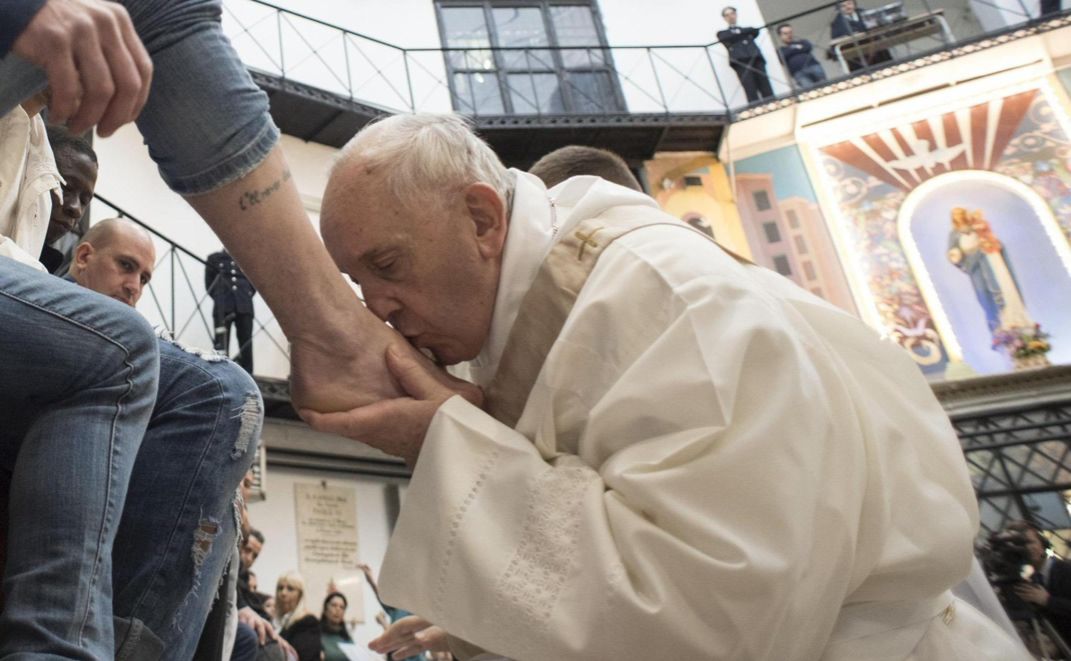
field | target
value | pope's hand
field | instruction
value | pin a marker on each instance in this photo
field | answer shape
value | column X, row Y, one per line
column 410, row 636
column 398, row 426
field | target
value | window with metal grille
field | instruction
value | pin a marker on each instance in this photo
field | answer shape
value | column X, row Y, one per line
column 527, row 57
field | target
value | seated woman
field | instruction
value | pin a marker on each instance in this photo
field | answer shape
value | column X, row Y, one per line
column 293, row 621
column 333, row 627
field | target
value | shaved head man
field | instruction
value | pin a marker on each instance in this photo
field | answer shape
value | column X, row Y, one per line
column 116, row 258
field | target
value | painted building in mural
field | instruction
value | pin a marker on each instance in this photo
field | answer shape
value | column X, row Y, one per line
column 767, row 212
column 695, row 188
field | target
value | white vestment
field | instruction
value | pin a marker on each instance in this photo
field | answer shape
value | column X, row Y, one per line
column 28, row 175
column 712, row 464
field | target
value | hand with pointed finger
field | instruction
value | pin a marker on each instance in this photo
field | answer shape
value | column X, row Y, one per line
column 398, row 426
column 98, row 70
column 410, row 636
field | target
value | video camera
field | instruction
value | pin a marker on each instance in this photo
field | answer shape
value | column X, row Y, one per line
column 1006, row 558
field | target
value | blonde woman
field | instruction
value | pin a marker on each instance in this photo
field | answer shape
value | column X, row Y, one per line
column 297, row 625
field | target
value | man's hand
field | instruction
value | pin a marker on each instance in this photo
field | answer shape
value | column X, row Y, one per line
column 97, row 67
column 398, row 426
column 1033, row 593
column 410, row 636
column 265, row 631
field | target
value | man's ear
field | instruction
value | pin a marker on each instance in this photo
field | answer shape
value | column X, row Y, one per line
column 487, row 211
column 82, row 253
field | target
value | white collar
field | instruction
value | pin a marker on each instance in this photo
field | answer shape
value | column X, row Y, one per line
column 537, row 219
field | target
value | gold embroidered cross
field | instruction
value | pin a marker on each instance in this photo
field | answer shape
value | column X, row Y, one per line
column 585, row 241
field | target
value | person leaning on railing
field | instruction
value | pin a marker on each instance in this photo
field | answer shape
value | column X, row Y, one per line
column 745, row 57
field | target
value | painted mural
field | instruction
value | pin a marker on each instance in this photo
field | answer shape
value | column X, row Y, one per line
column 962, row 224
column 694, row 187
column 784, row 226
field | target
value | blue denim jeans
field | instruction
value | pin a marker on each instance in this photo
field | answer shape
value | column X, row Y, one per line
column 810, row 75
column 78, row 378
column 180, row 526
column 206, row 122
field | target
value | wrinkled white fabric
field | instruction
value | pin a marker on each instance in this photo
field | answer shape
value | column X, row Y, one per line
column 28, row 174
column 713, row 464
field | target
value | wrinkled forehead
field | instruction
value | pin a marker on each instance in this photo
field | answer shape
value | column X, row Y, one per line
column 359, row 212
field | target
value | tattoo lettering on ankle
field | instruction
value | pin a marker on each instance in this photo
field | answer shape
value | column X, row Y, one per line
column 251, row 198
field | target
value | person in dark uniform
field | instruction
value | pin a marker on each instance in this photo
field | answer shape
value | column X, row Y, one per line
column 744, row 57
column 232, row 297
column 850, row 21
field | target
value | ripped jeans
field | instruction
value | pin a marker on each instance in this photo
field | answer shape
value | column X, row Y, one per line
column 180, row 524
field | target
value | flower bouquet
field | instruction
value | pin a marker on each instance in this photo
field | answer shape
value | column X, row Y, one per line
column 1025, row 345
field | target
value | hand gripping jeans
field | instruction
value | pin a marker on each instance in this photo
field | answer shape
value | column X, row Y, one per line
column 78, row 378
column 180, row 525
column 206, row 122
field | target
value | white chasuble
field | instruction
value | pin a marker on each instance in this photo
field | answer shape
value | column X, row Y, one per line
column 711, row 464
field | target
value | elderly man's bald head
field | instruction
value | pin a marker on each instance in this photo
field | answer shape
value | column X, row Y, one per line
column 116, row 258
column 416, row 212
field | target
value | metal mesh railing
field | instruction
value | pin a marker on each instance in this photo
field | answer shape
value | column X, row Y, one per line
column 599, row 79
column 177, row 299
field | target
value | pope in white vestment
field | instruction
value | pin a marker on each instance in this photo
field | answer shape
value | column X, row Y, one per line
column 711, row 464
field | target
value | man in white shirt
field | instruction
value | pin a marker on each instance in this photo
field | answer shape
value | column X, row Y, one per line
column 682, row 455
column 28, row 180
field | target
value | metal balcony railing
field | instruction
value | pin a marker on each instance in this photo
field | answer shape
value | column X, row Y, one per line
column 602, row 79
column 176, row 299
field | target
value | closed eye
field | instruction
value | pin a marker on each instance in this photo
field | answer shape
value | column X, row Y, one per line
column 385, row 266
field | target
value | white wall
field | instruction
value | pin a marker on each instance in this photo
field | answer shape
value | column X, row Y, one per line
column 275, row 517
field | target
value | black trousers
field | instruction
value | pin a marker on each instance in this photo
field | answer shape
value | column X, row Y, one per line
column 752, row 75
column 243, row 325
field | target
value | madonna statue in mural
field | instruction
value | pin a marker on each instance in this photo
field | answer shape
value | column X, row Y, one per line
column 975, row 250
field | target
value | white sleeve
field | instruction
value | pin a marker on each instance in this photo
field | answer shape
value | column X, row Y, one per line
column 10, row 249
column 708, row 508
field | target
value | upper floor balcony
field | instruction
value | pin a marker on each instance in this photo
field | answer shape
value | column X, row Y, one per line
column 536, row 74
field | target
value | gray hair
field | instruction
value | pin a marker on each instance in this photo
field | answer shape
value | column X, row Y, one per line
column 425, row 154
